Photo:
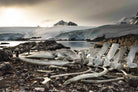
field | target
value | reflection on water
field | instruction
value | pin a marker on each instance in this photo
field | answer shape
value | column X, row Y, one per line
column 76, row 44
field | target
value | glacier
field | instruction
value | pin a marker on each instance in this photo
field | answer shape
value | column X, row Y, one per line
column 13, row 33
column 109, row 31
column 67, row 32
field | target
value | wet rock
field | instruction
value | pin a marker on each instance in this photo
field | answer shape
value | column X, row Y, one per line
column 5, row 55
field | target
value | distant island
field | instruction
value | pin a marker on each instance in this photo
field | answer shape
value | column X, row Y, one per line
column 63, row 23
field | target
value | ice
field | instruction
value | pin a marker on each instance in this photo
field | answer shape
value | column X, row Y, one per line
column 110, row 54
column 131, row 56
column 98, row 60
column 109, row 31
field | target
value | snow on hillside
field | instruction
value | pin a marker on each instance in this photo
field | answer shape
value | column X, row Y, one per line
column 51, row 32
column 129, row 20
column 13, row 33
column 108, row 30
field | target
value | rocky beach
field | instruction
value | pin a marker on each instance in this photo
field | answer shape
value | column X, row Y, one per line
column 20, row 76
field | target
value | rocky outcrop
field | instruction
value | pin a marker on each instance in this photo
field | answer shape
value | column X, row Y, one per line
column 40, row 46
column 72, row 24
column 61, row 23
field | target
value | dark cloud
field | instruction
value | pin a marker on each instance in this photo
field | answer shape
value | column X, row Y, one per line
column 98, row 11
column 8, row 3
column 89, row 12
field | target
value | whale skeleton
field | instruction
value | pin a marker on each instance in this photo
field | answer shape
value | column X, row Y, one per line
column 111, row 60
column 114, row 65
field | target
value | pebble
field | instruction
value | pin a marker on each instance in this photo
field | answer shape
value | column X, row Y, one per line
column 121, row 82
column 122, row 89
column 99, row 85
column 74, row 90
column 39, row 89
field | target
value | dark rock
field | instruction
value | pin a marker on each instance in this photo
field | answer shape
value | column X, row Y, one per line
column 6, row 66
column 72, row 24
column 5, row 55
column 2, row 83
column 4, row 43
column 61, row 23
column 40, row 46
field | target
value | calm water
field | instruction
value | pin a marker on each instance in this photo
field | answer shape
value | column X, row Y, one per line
column 76, row 44
column 72, row 44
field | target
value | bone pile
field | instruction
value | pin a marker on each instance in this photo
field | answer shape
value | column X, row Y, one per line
column 110, row 57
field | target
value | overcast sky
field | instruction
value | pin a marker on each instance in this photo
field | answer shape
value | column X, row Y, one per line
column 47, row 12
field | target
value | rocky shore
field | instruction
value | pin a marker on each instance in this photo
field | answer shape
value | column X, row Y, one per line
column 19, row 76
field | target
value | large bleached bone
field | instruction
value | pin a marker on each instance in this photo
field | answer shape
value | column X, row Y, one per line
column 68, row 74
column 67, row 54
column 110, row 54
column 103, row 81
column 45, row 62
column 42, row 55
column 131, row 56
column 115, row 64
column 98, row 60
column 84, row 76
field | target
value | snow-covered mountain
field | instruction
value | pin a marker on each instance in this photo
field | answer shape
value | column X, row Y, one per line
column 108, row 31
column 129, row 20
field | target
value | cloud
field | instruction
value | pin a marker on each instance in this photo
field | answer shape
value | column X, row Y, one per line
column 86, row 12
column 8, row 3
column 48, row 20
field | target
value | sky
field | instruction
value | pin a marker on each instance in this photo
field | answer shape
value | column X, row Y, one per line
column 47, row 12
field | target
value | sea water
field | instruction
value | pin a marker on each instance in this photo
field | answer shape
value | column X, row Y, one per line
column 76, row 44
